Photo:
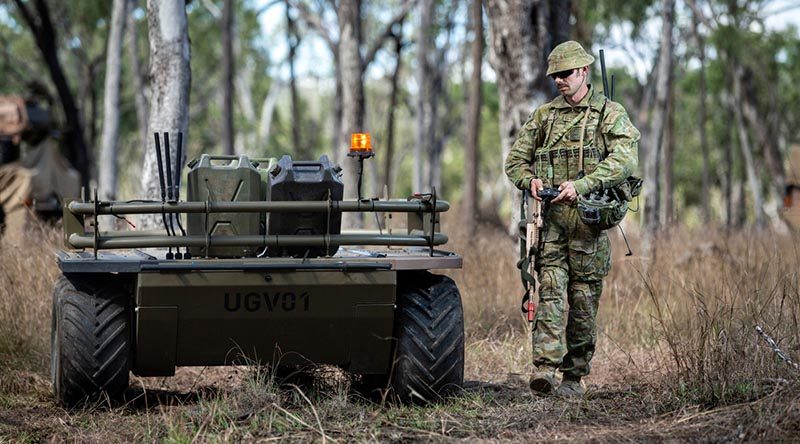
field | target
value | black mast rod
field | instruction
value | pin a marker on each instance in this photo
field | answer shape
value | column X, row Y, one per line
column 160, row 167
column 169, row 166
column 603, row 72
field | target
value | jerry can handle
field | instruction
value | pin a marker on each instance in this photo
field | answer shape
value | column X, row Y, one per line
column 205, row 160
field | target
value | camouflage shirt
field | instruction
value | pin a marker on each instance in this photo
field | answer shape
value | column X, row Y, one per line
column 547, row 145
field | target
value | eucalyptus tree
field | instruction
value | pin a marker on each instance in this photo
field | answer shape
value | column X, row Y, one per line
column 170, row 81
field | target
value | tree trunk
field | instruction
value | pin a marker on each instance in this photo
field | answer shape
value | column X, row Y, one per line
column 91, row 120
column 741, row 202
column 437, row 126
column 766, row 136
column 267, row 111
column 243, row 91
column 652, row 149
column 747, row 151
column 352, row 94
column 518, row 36
column 45, row 36
column 292, row 39
column 423, row 113
column 140, row 98
column 560, row 30
column 701, row 117
column 227, row 76
column 170, row 75
column 427, row 152
column 110, row 138
column 667, row 156
column 727, row 143
column 582, row 31
column 473, row 120
column 387, row 176
column 340, row 143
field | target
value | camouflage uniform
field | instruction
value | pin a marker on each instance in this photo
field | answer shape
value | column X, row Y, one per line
column 574, row 257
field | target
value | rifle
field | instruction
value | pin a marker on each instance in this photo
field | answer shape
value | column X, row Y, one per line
column 529, row 243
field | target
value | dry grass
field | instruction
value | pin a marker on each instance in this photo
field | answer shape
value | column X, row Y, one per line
column 27, row 272
column 678, row 358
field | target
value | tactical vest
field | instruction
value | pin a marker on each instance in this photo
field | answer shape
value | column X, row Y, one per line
column 559, row 159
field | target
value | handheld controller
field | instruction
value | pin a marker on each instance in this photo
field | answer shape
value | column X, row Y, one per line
column 548, row 194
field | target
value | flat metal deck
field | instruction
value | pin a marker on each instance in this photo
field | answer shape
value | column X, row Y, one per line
column 350, row 259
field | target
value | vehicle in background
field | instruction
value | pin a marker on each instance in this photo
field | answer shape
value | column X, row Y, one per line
column 35, row 178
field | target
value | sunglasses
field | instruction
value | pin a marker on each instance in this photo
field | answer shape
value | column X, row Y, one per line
column 562, row 74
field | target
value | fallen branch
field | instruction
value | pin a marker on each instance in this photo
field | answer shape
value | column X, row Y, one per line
column 774, row 346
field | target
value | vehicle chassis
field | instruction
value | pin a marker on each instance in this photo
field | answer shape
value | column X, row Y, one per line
column 375, row 312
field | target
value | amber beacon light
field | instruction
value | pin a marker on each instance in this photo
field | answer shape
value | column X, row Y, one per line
column 360, row 149
column 360, row 145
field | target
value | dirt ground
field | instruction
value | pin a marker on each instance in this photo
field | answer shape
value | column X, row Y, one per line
column 217, row 404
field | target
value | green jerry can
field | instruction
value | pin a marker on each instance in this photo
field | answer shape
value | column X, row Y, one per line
column 224, row 179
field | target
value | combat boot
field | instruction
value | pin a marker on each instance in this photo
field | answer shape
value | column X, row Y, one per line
column 543, row 380
column 571, row 387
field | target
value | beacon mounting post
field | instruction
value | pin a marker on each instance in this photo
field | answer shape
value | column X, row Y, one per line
column 360, row 148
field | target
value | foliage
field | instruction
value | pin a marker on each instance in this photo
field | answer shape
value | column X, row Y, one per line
column 736, row 33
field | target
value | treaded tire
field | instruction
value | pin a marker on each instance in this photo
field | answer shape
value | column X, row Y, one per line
column 91, row 341
column 429, row 329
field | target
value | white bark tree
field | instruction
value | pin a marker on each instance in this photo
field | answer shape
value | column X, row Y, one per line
column 473, row 120
column 170, row 78
column 654, row 134
column 351, row 68
column 747, row 150
column 110, row 136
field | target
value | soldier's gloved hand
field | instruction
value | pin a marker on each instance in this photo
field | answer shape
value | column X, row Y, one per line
column 536, row 186
column 568, row 193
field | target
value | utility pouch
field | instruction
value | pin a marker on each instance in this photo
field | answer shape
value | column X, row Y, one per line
column 628, row 189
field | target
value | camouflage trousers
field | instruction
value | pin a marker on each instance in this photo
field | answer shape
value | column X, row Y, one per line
column 574, row 260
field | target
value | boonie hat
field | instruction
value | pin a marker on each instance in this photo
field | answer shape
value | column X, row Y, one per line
column 566, row 56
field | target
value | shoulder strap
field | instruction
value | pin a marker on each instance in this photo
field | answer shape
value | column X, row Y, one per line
column 551, row 118
column 558, row 137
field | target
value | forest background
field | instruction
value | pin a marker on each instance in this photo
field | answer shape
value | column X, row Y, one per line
column 443, row 86
column 709, row 84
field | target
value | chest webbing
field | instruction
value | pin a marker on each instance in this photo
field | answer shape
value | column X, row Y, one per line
column 583, row 118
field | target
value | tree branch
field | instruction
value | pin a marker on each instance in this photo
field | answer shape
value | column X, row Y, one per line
column 212, row 8
column 314, row 21
column 699, row 14
column 268, row 6
column 386, row 33
column 27, row 16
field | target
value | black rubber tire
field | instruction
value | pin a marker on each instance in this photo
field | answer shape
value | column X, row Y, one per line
column 429, row 330
column 90, row 340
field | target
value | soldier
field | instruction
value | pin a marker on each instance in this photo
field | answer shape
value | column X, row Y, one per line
column 574, row 255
